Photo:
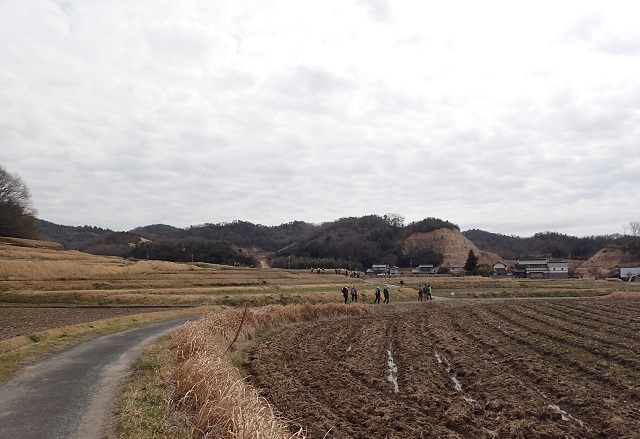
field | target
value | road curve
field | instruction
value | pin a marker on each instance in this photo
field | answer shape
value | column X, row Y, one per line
column 71, row 393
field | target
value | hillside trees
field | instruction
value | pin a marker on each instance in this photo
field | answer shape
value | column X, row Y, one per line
column 364, row 241
column 191, row 250
column 429, row 225
column 544, row 244
column 17, row 215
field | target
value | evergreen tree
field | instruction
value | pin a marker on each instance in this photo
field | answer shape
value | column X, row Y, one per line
column 472, row 262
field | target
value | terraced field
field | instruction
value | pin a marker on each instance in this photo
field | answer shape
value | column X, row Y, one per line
column 485, row 369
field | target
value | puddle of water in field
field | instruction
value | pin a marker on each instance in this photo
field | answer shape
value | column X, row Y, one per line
column 393, row 372
column 563, row 414
column 456, row 382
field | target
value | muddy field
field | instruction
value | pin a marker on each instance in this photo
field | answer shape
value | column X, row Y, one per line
column 16, row 321
column 527, row 369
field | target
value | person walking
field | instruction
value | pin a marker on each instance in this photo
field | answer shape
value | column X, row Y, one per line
column 354, row 294
column 420, row 293
column 385, row 292
column 429, row 297
column 345, row 293
column 377, row 299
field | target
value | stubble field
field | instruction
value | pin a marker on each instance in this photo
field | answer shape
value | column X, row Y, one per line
column 500, row 369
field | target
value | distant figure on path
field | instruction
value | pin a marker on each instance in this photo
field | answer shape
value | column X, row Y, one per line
column 429, row 292
column 386, row 294
column 377, row 299
column 354, row 294
column 420, row 293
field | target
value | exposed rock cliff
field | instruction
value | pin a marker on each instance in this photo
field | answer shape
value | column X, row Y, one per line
column 451, row 244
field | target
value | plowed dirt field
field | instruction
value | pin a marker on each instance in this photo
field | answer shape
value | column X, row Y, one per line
column 16, row 321
column 501, row 369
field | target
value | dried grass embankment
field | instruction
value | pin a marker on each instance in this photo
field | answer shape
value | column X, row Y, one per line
column 211, row 390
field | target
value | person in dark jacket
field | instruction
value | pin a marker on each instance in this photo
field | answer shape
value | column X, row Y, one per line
column 377, row 299
column 385, row 292
column 345, row 293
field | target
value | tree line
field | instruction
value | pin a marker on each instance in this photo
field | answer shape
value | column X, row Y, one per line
column 547, row 244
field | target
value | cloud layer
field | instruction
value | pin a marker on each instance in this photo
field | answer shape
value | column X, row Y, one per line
column 493, row 115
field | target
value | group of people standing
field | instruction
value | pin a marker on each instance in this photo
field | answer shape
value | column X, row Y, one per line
column 424, row 291
column 385, row 292
column 354, row 294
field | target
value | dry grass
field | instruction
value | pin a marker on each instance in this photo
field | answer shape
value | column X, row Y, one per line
column 30, row 243
column 144, row 410
column 212, row 390
column 42, row 276
column 627, row 295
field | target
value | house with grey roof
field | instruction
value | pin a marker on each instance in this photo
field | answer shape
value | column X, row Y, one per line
column 541, row 268
column 424, row 270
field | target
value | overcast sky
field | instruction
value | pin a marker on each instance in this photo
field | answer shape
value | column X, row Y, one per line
column 510, row 118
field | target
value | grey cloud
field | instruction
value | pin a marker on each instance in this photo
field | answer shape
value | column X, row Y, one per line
column 378, row 10
column 592, row 30
column 305, row 88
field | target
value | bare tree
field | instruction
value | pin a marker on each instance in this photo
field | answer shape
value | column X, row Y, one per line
column 394, row 219
column 17, row 215
column 634, row 227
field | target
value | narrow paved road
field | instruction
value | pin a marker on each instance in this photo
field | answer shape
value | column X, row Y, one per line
column 71, row 393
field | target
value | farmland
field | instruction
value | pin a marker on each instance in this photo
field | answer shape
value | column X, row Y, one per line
column 505, row 369
column 493, row 366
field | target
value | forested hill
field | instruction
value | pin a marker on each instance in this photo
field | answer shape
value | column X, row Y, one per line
column 356, row 241
column 547, row 244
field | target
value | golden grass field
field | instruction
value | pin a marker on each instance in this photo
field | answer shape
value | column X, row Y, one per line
column 196, row 370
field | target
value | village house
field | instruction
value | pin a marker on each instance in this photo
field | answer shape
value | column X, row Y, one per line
column 457, row 270
column 558, row 270
column 541, row 269
column 378, row 269
column 382, row 270
column 424, row 270
column 500, row 269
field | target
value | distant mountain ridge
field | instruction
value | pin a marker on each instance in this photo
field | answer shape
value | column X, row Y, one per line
column 358, row 241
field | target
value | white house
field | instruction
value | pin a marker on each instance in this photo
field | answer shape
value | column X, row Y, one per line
column 558, row 270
